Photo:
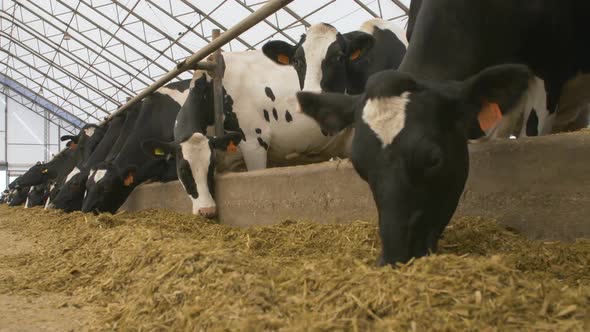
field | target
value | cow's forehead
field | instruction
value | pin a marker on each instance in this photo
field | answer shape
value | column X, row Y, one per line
column 386, row 116
column 318, row 38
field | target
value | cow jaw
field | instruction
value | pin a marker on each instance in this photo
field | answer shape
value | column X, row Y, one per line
column 197, row 153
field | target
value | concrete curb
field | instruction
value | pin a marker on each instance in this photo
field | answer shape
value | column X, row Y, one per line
column 538, row 186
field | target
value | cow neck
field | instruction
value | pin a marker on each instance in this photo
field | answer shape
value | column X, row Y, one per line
column 124, row 133
column 99, row 154
column 197, row 112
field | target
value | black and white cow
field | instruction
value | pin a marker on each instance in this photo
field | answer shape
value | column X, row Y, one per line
column 326, row 60
column 410, row 145
column 37, row 195
column 450, row 40
column 57, row 169
column 259, row 118
column 114, row 181
column 410, row 125
column 18, row 196
column 72, row 192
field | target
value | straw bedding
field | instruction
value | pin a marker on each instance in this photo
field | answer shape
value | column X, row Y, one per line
column 158, row 270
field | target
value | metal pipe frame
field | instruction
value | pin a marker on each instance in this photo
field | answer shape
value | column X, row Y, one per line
column 38, row 109
column 41, row 101
column 268, row 9
column 54, row 80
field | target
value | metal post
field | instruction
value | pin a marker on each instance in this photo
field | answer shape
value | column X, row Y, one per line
column 6, row 133
column 265, row 11
column 218, row 86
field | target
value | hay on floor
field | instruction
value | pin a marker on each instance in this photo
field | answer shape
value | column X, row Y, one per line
column 158, row 270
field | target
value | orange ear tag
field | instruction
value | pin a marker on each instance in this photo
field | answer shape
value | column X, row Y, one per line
column 355, row 55
column 281, row 58
column 231, row 147
column 489, row 116
column 128, row 180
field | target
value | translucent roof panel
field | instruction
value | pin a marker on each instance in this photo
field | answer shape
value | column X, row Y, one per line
column 89, row 56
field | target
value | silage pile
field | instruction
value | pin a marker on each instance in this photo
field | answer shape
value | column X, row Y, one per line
column 158, row 270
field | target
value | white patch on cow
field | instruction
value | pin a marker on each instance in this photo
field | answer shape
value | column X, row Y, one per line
column 198, row 74
column 369, row 27
column 48, row 204
column 197, row 153
column 178, row 96
column 27, row 201
column 99, row 175
column 386, row 116
column 318, row 38
column 89, row 131
column 72, row 174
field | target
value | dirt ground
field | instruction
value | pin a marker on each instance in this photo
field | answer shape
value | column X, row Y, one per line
column 36, row 312
column 163, row 271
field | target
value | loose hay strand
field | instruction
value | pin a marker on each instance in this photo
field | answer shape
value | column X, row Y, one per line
column 158, row 270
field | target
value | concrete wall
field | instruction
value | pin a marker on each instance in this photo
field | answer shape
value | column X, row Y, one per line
column 540, row 186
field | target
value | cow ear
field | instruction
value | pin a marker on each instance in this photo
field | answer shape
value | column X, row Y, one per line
column 332, row 111
column 158, row 149
column 227, row 142
column 358, row 44
column 70, row 138
column 279, row 51
column 494, row 92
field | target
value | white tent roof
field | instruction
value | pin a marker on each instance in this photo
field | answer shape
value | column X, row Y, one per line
column 88, row 56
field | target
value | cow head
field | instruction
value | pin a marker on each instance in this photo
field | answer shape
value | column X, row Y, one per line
column 195, row 163
column 108, row 188
column 18, row 196
column 37, row 195
column 321, row 56
column 71, row 194
column 39, row 173
column 410, row 145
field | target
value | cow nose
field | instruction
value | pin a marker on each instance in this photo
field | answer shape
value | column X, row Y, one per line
column 209, row 213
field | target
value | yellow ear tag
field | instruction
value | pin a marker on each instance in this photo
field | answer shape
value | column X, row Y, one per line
column 355, row 55
column 489, row 116
column 44, row 171
column 281, row 58
column 231, row 147
column 159, row 152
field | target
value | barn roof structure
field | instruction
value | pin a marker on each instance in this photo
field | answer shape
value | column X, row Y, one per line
column 81, row 60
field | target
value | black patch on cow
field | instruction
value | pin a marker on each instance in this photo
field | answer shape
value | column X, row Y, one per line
column 266, row 116
column 275, row 114
column 185, row 174
column 269, row 93
column 325, row 133
column 532, row 124
column 288, row 116
column 262, row 143
column 258, row 131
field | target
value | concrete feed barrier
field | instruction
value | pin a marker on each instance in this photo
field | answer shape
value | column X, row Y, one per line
column 539, row 186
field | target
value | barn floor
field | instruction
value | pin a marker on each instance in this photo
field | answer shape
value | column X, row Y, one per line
column 158, row 270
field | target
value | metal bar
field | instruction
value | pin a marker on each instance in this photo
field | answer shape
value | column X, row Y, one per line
column 56, row 82
column 101, row 47
column 72, row 57
column 367, row 9
column 6, row 133
column 70, row 74
column 245, row 24
column 205, row 65
column 297, row 17
column 208, row 17
column 28, row 107
column 41, row 101
column 218, row 86
column 401, row 6
column 279, row 30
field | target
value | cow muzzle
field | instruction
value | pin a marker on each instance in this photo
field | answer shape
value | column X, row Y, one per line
column 209, row 212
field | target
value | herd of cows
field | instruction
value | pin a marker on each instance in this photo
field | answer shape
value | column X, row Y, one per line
column 403, row 112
